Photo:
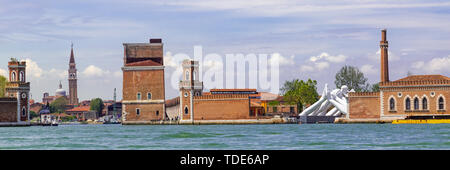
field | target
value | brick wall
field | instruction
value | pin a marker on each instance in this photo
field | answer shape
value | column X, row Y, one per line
column 8, row 110
column 221, row 107
column 364, row 105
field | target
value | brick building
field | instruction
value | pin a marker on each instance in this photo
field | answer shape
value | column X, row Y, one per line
column 415, row 95
column 14, row 107
column 143, row 81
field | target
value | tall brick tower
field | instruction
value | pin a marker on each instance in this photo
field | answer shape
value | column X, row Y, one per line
column 73, row 92
column 190, row 86
column 17, row 87
column 384, row 57
column 143, row 81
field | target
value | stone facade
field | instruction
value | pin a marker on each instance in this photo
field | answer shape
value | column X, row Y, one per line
column 143, row 81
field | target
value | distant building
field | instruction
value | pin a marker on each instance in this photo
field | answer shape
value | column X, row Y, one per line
column 60, row 92
column 14, row 108
column 73, row 86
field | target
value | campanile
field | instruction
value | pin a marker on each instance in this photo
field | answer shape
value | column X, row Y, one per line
column 73, row 92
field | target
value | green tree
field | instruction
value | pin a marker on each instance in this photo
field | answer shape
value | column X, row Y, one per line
column 59, row 105
column 97, row 105
column 352, row 78
column 375, row 87
column 2, row 86
column 300, row 92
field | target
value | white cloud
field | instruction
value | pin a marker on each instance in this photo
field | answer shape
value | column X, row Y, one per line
column 306, row 68
column 94, row 71
column 434, row 66
column 3, row 73
column 33, row 69
column 169, row 60
column 368, row 69
column 281, row 60
column 391, row 56
column 334, row 59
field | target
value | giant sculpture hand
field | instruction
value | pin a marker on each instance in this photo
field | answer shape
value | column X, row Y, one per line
column 336, row 98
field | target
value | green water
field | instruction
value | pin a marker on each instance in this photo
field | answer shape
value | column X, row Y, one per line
column 264, row 137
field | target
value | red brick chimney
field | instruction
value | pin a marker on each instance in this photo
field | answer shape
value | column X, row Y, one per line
column 384, row 57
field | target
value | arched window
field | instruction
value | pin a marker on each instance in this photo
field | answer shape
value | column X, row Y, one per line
column 22, row 76
column 194, row 75
column 149, row 96
column 13, row 76
column 157, row 113
column 187, row 75
column 186, row 111
column 424, row 104
column 138, row 96
column 138, row 111
column 441, row 103
column 24, row 113
column 392, row 104
column 416, row 103
column 407, row 104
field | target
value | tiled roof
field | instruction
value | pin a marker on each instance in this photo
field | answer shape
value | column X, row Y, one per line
column 214, row 90
column 144, row 63
column 80, row 109
column 423, row 78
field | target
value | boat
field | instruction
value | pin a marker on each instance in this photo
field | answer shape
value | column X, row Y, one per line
column 424, row 119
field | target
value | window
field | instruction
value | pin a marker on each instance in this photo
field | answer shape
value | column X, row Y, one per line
column 424, row 104
column 13, row 76
column 149, row 96
column 194, row 75
column 157, row 113
column 186, row 111
column 24, row 113
column 187, row 75
column 416, row 103
column 292, row 110
column 274, row 109
column 407, row 104
column 138, row 96
column 138, row 111
column 185, row 94
column 21, row 76
column 399, row 94
column 392, row 104
column 441, row 103
column 197, row 93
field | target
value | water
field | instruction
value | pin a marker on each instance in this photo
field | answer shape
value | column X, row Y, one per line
column 264, row 137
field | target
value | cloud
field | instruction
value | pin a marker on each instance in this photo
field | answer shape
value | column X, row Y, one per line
column 322, row 62
column 391, row 56
column 368, row 69
column 334, row 59
column 94, row 71
column 277, row 57
column 33, row 69
column 3, row 73
column 434, row 66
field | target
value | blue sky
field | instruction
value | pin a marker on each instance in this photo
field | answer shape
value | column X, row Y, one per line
column 314, row 38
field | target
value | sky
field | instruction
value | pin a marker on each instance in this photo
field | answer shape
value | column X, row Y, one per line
column 312, row 39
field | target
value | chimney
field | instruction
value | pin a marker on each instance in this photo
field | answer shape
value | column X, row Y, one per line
column 384, row 57
column 155, row 41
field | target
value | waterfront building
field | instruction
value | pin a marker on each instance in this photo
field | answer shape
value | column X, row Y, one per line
column 143, row 81
column 14, row 107
column 414, row 95
column 60, row 92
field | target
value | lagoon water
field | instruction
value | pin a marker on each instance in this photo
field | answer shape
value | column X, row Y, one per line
column 261, row 137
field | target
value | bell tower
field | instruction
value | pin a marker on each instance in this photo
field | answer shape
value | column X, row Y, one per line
column 73, row 91
column 190, row 86
column 384, row 57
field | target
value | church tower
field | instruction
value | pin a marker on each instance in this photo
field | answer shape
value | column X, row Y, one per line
column 384, row 57
column 73, row 93
column 190, row 86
